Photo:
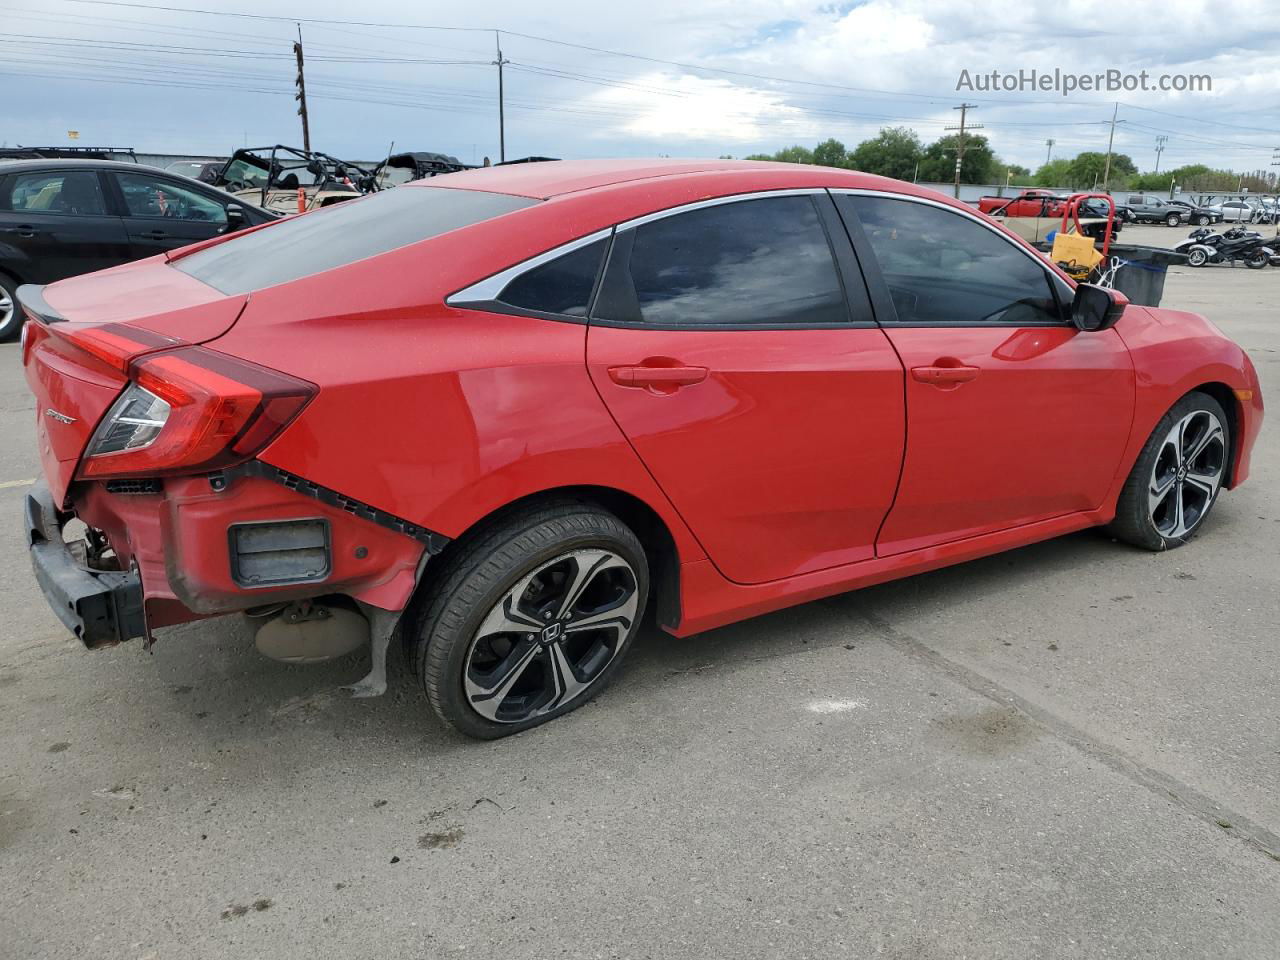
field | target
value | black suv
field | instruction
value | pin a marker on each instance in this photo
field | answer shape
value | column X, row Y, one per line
column 59, row 218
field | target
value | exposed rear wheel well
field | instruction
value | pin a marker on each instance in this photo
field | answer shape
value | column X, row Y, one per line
column 659, row 547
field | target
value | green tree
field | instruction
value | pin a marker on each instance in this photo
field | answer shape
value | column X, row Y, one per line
column 894, row 152
column 1089, row 167
column 1152, row 182
column 1055, row 173
column 938, row 164
column 796, row 154
column 830, row 153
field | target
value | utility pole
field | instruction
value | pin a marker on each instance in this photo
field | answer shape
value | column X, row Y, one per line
column 502, row 124
column 964, row 108
column 301, row 95
column 1160, row 142
column 1049, row 153
column 1106, row 174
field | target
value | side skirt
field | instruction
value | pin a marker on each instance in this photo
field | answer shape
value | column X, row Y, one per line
column 710, row 601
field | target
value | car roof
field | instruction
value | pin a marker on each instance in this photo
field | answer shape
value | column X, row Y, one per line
column 558, row 177
column 14, row 166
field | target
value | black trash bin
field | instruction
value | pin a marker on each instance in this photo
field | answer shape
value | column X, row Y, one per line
column 1141, row 273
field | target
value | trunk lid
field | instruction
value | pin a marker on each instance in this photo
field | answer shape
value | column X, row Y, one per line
column 84, row 332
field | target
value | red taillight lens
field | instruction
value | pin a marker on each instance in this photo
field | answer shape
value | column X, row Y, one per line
column 192, row 410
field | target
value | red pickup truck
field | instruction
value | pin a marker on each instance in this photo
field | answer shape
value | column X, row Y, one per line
column 1029, row 203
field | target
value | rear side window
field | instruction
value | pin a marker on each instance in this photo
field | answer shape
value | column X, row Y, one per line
column 67, row 192
column 562, row 285
column 342, row 234
column 751, row 262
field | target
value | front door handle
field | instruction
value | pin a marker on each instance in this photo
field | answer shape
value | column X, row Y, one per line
column 155, row 235
column 22, row 230
column 659, row 377
column 945, row 376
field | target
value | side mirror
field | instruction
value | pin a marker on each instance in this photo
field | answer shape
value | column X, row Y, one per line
column 235, row 217
column 1096, row 308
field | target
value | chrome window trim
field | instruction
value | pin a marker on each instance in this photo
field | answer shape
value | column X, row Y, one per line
column 491, row 287
column 719, row 201
column 1033, row 255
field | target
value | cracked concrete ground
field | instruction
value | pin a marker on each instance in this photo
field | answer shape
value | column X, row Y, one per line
column 1071, row 750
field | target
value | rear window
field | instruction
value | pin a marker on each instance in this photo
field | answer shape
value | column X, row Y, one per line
column 342, row 234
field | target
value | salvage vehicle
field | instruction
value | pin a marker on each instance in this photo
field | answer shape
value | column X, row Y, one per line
column 1235, row 211
column 502, row 414
column 401, row 168
column 1040, row 215
column 272, row 177
column 59, row 218
column 1028, row 203
column 1147, row 209
column 206, row 171
column 1194, row 213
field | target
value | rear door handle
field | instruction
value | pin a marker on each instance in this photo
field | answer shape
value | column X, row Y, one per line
column 644, row 376
column 155, row 235
column 945, row 376
column 22, row 230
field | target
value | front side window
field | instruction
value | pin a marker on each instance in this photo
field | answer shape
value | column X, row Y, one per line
column 153, row 197
column 562, row 285
column 944, row 268
column 752, row 262
column 67, row 192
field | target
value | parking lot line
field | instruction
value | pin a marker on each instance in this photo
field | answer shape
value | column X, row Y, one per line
column 5, row 484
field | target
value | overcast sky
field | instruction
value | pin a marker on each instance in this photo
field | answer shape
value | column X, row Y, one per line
column 704, row 77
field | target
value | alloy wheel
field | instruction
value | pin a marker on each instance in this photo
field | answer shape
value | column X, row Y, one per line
column 551, row 636
column 6, row 308
column 1187, row 474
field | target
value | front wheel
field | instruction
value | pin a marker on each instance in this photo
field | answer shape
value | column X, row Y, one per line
column 1202, row 221
column 1177, row 477
column 1173, row 219
column 1197, row 258
column 531, row 620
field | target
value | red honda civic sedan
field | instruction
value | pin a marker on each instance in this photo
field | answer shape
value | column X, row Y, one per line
column 499, row 414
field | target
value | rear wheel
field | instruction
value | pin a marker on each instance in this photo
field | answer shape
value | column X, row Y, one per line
column 1178, row 476
column 531, row 620
column 10, row 314
column 1257, row 261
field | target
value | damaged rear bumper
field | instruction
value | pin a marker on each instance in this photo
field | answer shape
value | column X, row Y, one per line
column 100, row 607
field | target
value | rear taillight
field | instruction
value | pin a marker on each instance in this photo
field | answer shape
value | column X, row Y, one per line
column 191, row 410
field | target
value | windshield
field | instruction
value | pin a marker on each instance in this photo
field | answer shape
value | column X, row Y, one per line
column 338, row 235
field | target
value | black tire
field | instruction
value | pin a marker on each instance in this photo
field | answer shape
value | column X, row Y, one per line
column 1202, row 221
column 1173, row 220
column 1134, row 522
column 477, row 578
column 1257, row 261
column 10, row 312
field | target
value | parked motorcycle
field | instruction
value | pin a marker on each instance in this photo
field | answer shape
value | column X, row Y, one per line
column 1203, row 246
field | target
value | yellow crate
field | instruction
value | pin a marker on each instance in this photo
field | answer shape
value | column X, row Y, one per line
column 1075, row 250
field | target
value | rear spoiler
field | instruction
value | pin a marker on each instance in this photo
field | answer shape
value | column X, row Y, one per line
column 31, row 299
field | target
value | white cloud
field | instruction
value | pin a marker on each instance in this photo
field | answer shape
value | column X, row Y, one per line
column 703, row 110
